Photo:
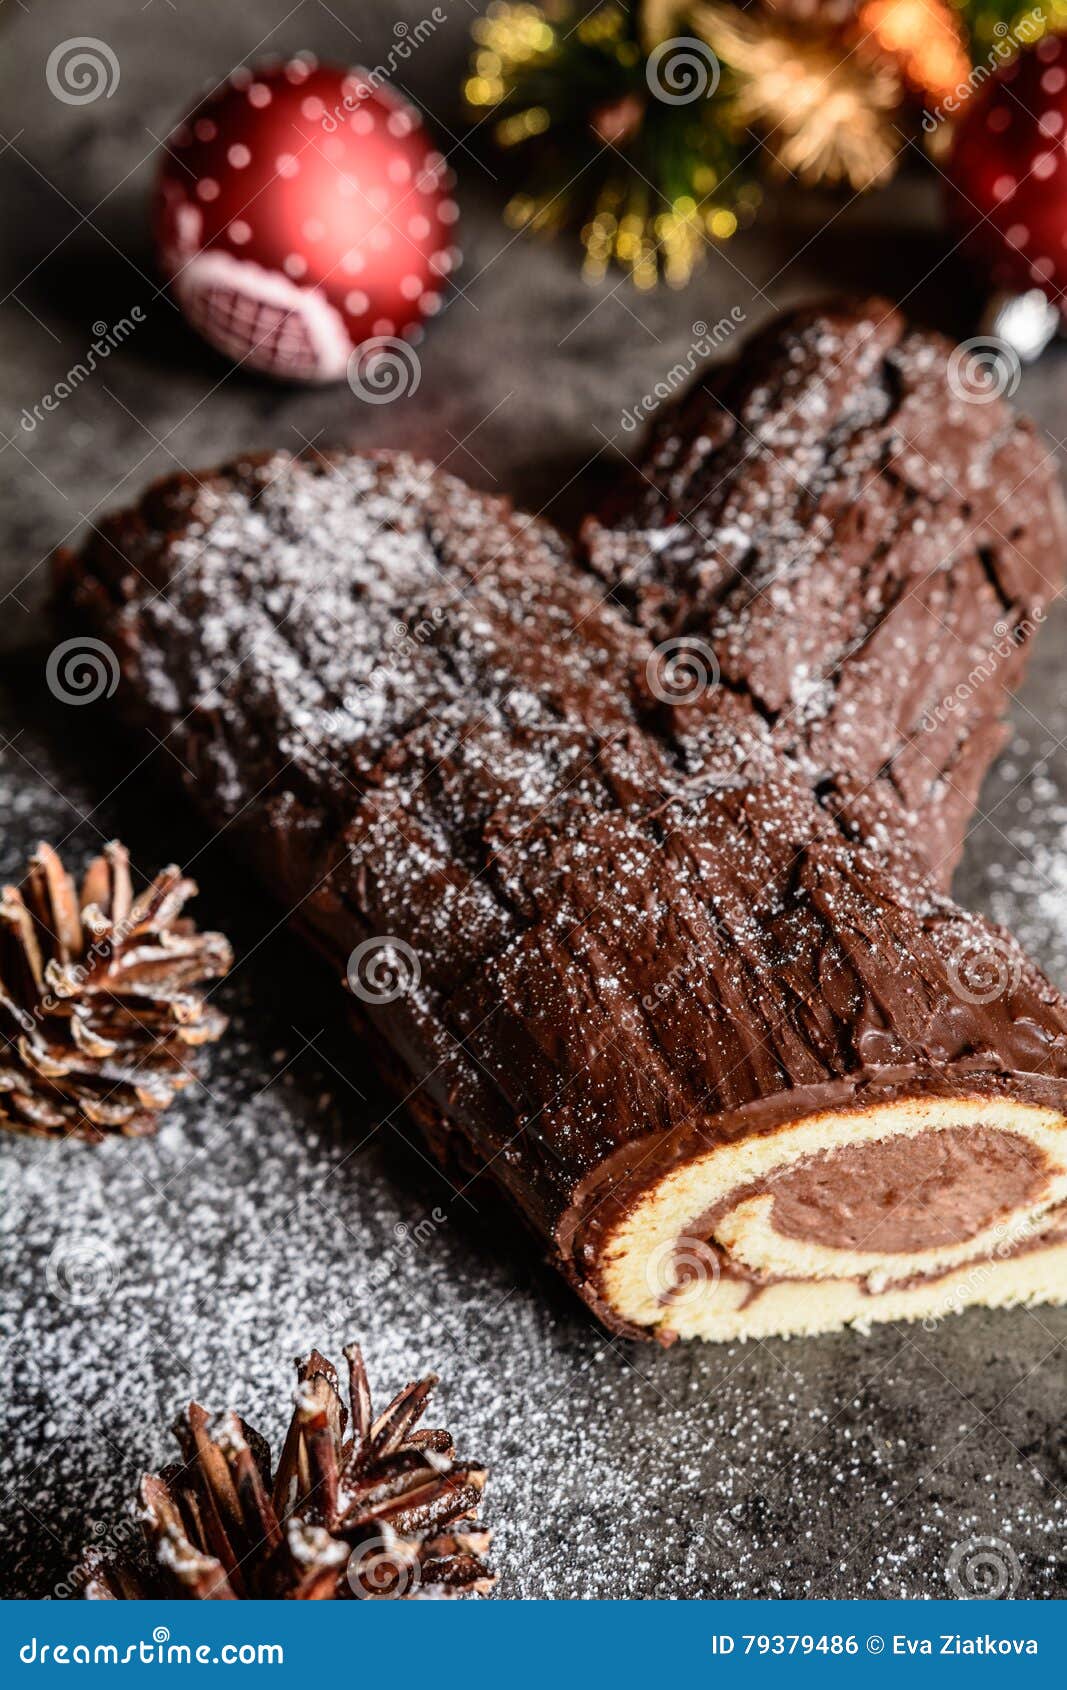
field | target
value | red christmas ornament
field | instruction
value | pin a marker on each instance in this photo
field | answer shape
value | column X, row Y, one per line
column 303, row 212
column 1007, row 172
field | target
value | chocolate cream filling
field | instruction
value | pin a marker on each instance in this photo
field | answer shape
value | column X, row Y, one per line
column 898, row 1195
column 908, row 1194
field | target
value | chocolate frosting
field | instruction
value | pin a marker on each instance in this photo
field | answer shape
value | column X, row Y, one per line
column 867, row 554
column 611, row 932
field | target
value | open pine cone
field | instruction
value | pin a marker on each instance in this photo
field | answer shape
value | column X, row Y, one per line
column 100, row 997
column 385, row 1512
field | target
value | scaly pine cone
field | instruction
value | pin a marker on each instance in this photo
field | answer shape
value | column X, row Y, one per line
column 386, row 1512
column 100, row 997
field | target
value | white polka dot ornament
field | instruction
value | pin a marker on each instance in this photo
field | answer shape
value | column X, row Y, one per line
column 302, row 211
column 1007, row 172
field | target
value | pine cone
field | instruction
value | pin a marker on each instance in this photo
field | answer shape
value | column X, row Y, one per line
column 386, row 1512
column 99, row 997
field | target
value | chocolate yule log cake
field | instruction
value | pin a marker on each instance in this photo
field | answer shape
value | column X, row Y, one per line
column 641, row 896
column 867, row 556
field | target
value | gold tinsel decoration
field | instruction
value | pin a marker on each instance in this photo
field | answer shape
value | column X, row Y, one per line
column 651, row 173
column 924, row 39
column 510, row 39
column 558, row 79
column 658, row 20
column 826, row 116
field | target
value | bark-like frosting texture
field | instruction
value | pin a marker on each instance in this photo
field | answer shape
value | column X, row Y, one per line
column 646, row 958
column 866, row 551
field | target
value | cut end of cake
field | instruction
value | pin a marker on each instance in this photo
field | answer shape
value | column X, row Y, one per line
column 905, row 1210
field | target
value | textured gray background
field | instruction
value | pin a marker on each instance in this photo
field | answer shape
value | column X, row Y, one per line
column 270, row 1214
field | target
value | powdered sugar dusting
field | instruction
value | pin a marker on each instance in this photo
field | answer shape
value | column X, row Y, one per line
column 268, row 1216
column 1028, row 885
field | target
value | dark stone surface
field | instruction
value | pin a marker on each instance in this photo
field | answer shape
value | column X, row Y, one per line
column 270, row 1213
